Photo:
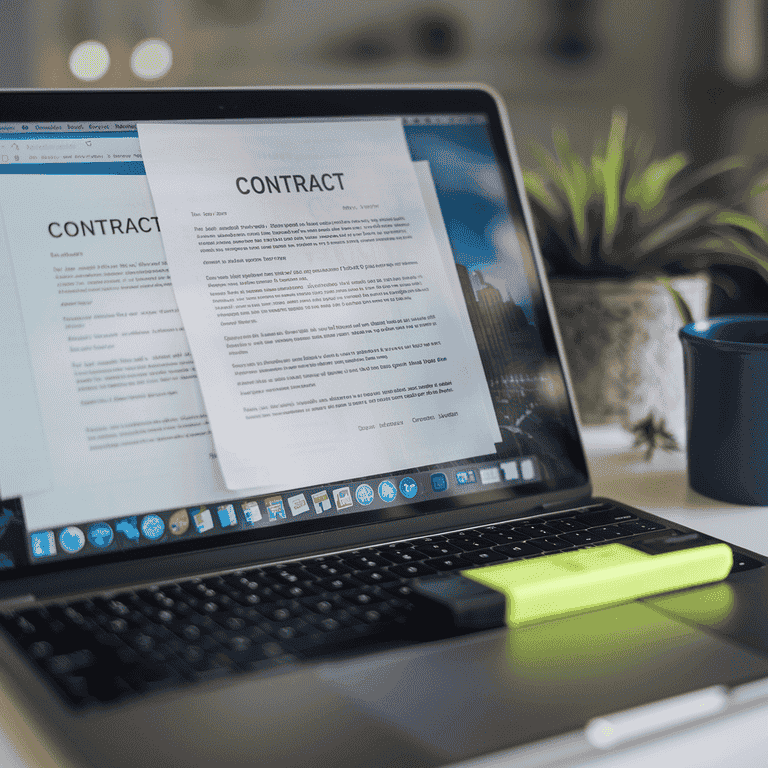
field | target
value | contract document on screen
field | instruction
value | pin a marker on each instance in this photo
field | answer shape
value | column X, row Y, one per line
column 326, row 324
column 107, row 415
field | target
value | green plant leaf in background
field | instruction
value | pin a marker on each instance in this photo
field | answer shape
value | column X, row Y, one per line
column 537, row 187
column 681, row 304
column 575, row 183
column 648, row 189
column 624, row 213
column 611, row 171
column 673, row 228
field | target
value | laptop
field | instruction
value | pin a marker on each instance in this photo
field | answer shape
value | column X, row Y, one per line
column 374, row 337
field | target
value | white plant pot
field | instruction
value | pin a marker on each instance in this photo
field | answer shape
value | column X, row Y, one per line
column 623, row 351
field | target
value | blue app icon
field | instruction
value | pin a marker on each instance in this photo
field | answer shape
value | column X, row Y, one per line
column 129, row 527
column 43, row 544
column 408, row 487
column 387, row 491
column 439, row 482
column 100, row 534
column 364, row 494
column 466, row 477
column 72, row 539
column 227, row 515
column 152, row 526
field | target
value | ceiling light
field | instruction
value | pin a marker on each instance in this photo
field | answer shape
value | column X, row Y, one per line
column 89, row 60
column 151, row 59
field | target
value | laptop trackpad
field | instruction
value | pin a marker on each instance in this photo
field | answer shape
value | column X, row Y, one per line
column 503, row 688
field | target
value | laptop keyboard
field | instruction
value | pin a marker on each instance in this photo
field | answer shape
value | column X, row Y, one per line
column 119, row 645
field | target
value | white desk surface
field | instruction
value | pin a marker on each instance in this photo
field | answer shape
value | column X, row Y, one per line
column 659, row 486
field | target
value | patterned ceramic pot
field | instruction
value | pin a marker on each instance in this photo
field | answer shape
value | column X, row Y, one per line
column 621, row 341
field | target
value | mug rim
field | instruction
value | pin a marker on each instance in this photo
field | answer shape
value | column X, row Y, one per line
column 698, row 333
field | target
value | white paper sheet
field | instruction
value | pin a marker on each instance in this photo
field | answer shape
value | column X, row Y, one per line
column 119, row 405
column 328, row 339
column 25, row 465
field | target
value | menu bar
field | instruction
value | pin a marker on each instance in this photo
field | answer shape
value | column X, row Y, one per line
column 75, row 150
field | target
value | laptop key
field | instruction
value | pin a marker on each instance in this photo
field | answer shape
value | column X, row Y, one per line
column 328, row 624
column 449, row 563
column 642, row 526
column 435, row 549
column 519, row 550
column 551, row 544
column 510, row 536
column 284, row 573
column 399, row 556
column 325, row 570
column 76, row 689
column 535, row 531
column 566, row 524
column 411, row 570
column 40, row 650
column 609, row 531
column 294, row 591
column 373, row 577
column 582, row 537
column 319, row 605
column 20, row 627
column 337, row 583
column 360, row 597
column 472, row 544
column 364, row 562
column 377, row 614
column 70, row 662
column 606, row 517
column 484, row 557
column 104, row 687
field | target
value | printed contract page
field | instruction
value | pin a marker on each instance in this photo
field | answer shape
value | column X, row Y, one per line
column 111, row 416
column 327, row 325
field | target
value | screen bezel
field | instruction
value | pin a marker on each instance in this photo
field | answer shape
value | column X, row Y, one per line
column 281, row 103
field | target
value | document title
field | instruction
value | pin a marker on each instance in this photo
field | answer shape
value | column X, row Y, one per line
column 323, row 182
column 122, row 226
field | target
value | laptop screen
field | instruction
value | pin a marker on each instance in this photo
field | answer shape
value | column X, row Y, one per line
column 408, row 380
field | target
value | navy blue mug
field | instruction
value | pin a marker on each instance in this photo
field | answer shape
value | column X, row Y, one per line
column 726, row 397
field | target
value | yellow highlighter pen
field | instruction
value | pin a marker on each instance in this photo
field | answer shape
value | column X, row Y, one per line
column 568, row 583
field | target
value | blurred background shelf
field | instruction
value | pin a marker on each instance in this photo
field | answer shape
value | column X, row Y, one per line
column 555, row 61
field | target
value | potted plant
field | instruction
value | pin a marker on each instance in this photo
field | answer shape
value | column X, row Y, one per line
column 627, row 240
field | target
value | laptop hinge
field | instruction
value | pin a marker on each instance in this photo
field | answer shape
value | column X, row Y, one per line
column 14, row 603
column 554, row 505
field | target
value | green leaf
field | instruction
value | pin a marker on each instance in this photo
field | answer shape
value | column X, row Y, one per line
column 621, row 211
column 547, row 162
column 731, row 245
column 575, row 183
column 652, row 185
column 742, row 221
column 612, row 168
column 707, row 173
column 537, row 187
column 677, row 226
column 759, row 188
column 680, row 303
column 749, row 253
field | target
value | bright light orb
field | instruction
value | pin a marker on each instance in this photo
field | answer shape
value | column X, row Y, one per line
column 89, row 60
column 151, row 59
